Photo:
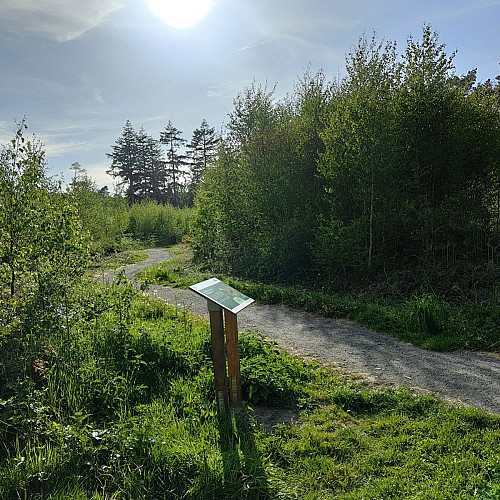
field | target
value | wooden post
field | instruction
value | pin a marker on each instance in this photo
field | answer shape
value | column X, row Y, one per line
column 233, row 358
column 218, row 356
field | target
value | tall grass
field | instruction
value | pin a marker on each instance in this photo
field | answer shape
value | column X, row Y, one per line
column 159, row 224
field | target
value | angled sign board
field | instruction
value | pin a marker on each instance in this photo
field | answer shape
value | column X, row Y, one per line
column 221, row 294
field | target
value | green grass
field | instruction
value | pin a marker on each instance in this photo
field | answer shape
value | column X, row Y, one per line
column 423, row 320
column 121, row 405
column 117, row 402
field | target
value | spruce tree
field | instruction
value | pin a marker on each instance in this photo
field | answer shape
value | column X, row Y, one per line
column 174, row 163
column 201, row 151
column 124, row 161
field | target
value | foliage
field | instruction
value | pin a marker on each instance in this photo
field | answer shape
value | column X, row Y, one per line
column 122, row 259
column 121, row 405
column 385, row 181
column 169, row 177
column 201, row 152
column 269, row 376
column 105, row 217
column 159, row 224
column 43, row 247
column 425, row 314
column 255, row 211
column 171, row 137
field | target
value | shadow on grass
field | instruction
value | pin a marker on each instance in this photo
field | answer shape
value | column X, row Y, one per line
column 245, row 474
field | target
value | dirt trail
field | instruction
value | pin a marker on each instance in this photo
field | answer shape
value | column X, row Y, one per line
column 467, row 377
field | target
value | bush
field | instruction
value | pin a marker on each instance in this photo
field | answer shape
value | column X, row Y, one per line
column 159, row 224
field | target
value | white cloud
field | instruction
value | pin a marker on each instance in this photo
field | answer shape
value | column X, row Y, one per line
column 252, row 46
column 224, row 89
column 98, row 172
column 67, row 140
column 61, row 20
column 57, row 149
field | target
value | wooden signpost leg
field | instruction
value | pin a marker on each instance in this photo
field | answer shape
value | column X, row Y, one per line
column 218, row 356
column 233, row 358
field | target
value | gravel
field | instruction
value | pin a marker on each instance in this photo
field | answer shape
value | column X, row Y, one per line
column 470, row 378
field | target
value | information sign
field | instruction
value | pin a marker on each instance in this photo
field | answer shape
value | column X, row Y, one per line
column 223, row 295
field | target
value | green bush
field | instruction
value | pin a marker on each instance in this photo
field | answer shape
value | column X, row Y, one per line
column 159, row 224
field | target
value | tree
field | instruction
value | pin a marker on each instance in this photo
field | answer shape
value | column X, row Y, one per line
column 125, row 161
column 151, row 168
column 104, row 217
column 407, row 161
column 172, row 139
column 257, row 207
column 358, row 160
column 43, row 248
column 446, row 164
column 201, row 152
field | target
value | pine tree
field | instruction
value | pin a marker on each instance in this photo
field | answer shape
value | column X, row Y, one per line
column 201, row 152
column 125, row 164
column 151, row 168
column 174, row 173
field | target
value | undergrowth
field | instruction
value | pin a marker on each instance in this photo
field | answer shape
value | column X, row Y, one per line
column 118, row 402
column 423, row 319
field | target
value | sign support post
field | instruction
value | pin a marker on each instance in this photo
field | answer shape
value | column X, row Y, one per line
column 222, row 297
column 218, row 356
column 233, row 358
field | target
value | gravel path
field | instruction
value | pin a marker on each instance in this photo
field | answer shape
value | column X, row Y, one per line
column 466, row 377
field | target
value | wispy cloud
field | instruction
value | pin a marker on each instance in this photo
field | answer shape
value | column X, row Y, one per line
column 61, row 20
column 98, row 172
column 55, row 148
column 223, row 90
column 59, row 141
column 472, row 8
column 252, row 46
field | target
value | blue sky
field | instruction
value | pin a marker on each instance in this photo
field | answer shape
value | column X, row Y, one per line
column 78, row 69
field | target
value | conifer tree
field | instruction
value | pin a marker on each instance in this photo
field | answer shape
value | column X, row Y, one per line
column 125, row 164
column 201, row 152
column 174, row 163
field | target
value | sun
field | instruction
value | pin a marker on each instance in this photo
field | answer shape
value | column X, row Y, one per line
column 180, row 14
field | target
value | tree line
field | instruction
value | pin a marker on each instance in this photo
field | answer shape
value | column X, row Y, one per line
column 394, row 166
column 166, row 170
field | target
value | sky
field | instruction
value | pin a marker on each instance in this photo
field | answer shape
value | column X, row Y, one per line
column 78, row 69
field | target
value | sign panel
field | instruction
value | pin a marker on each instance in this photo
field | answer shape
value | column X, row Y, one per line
column 221, row 294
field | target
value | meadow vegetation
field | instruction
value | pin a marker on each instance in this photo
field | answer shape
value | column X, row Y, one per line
column 119, row 404
column 106, row 393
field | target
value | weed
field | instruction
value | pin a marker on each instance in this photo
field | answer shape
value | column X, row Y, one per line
column 424, row 313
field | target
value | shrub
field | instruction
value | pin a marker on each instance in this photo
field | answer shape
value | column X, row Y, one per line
column 159, row 224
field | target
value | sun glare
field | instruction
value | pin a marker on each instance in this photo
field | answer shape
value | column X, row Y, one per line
column 180, row 14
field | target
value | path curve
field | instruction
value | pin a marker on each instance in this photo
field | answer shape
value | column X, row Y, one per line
column 466, row 377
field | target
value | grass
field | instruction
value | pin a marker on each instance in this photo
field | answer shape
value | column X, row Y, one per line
column 121, row 406
column 423, row 320
column 115, row 400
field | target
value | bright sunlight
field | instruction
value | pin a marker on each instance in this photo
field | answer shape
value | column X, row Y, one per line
column 180, row 14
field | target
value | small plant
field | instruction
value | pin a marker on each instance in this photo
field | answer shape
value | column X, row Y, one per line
column 269, row 375
column 425, row 314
